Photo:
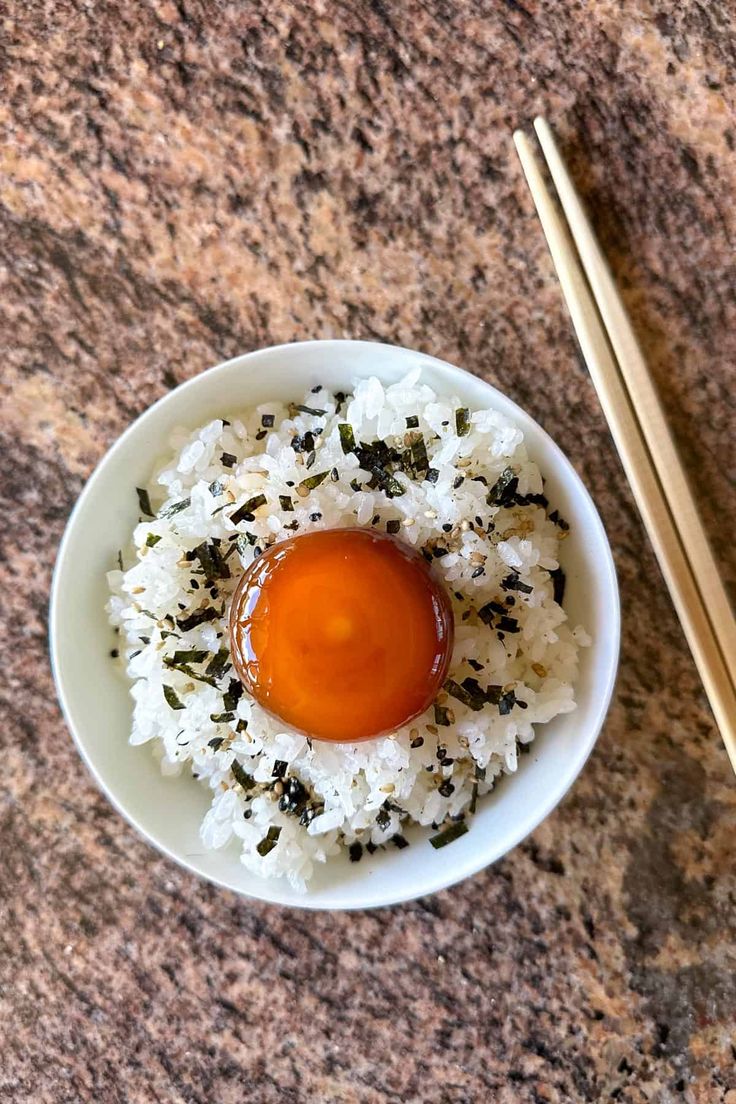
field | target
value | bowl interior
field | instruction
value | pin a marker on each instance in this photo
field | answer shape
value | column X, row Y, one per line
column 95, row 697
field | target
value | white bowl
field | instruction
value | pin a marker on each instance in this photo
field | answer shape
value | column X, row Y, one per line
column 96, row 699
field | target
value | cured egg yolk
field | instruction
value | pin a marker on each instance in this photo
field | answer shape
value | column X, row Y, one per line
column 344, row 634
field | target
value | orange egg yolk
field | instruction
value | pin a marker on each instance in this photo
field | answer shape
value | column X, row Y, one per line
column 344, row 634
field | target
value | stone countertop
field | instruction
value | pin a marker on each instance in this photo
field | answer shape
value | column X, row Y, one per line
column 184, row 180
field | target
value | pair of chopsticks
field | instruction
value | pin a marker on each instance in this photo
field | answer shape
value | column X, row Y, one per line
column 639, row 429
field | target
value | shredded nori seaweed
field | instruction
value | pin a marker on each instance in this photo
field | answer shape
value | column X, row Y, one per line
column 245, row 512
column 491, row 610
column 507, row 703
column 241, row 775
column 171, row 698
column 503, row 490
column 185, row 669
column 190, row 655
column 270, row 840
column 347, row 437
column 462, row 421
column 513, row 582
column 558, row 584
column 212, row 561
column 199, row 617
column 228, row 460
column 441, row 715
column 175, row 508
column 449, row 835
column 219, row 664
column 418, row 456
column 311, row 483
column 233, row 694
column 383, row 818
column 474, row 699
column 144, row 502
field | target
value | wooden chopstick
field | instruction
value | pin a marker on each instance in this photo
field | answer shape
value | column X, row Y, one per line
column 680, row 560
column 644, row 400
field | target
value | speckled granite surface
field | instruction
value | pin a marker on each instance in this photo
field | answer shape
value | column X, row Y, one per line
column 183, row 181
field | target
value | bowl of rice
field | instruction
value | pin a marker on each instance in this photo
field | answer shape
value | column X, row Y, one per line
column 325, row 437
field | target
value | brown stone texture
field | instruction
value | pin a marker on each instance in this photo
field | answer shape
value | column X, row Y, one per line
column 184, row 180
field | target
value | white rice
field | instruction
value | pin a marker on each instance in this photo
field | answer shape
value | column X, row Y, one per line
column 363, row 793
